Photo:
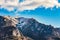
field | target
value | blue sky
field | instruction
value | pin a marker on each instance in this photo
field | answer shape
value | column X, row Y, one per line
column 47, row 16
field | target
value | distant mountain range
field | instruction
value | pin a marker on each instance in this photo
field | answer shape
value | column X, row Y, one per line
column 26, row 29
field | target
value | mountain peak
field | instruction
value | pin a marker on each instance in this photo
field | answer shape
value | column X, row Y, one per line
column 38, row 31
column 7, row 21
column 9, row 31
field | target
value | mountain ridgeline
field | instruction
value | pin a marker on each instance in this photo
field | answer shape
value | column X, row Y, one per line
column 37, row 31
column 26, row 29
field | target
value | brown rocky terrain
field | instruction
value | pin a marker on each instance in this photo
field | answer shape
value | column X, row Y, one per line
column 26, row 29
column 9, row 31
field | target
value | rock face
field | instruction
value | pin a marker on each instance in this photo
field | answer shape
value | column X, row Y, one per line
column 10, row 33
column 58, row 31
column 26, row 29
column 8, row 29
column 7, row 21
column 38, row 31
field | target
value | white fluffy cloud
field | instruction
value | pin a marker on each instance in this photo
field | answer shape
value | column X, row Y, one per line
column 9, row 4
column 28, row 4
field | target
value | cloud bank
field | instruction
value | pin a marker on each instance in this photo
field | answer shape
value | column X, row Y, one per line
column 10, row 5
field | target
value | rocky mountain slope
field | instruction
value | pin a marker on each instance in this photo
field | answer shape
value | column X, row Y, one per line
column 26, row 29
column 9, row 31
column 37, row 31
